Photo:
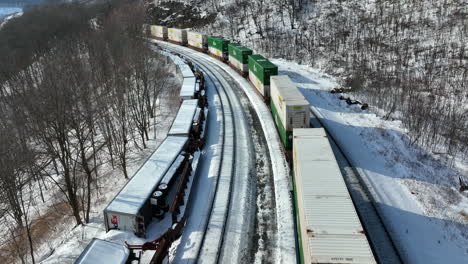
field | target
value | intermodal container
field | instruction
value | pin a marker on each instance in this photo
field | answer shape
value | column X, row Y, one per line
column 260, row 70
column 218, row 47
column 178, row 35
column 158, row 31
column 197, row 40
column 239, row 56
column 289, row 108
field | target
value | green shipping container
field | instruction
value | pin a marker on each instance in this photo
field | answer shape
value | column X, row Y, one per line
column 239, row 52
column 262, row 68
column 285, row 136
column 218, row 43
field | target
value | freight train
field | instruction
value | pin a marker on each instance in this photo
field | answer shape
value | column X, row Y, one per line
column 328, row 227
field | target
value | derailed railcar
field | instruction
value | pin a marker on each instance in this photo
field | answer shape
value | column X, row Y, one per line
column 177, row 36
column 218, row 47
column 289, row 108
column 329, row 229
column 158, row 32
column 239, row 57
column 104, row 252
column 260, row 70
column 131, row 209
column 197, row 41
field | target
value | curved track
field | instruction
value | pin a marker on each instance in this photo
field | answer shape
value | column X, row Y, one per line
column 257, row 229
column 227, row 233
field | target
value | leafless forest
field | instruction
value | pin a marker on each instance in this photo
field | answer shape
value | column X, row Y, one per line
column 78, row 83
column 408, row 58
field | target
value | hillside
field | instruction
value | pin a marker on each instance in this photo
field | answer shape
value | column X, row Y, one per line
column 406, row 58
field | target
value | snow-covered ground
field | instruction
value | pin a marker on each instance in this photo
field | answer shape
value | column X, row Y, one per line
column 67, row 244
column 417, row 195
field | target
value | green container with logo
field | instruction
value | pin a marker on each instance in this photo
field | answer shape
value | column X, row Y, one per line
column 239, row 52
column 218, row 43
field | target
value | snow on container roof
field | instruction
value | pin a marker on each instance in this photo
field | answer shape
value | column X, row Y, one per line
column 183, row 121
column 188, row 88
column 330, row 227
column 103, row 252
column 290, row 95
column 186, row 71
column 133, row 195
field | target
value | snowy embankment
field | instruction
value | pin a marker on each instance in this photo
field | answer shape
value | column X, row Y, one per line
column 285, row 249
column 416, row 194
column 67, row 242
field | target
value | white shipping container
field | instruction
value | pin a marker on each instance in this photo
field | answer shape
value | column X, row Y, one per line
column 178, row 35
column 159, row 31
column 187, row 91
column 197, row 40
column 330, row 229
column 292, row 107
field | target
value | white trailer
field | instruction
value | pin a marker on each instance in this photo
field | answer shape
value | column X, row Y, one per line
column 185, row 70
column 183, row 122
column 329, row 228
column 197, row 40
column 177, row 35
column 103, row 252
column 130, row 210
column 159, row 32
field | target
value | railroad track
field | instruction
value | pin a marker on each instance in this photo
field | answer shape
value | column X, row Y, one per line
column 228, row 230
column 384, row 248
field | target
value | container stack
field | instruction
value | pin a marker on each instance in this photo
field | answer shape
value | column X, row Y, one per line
column 178, row 36
column 197, row 40
column 329, row 229
column 260, row 70
column 289, row 108
column 239, row 57
column 218, row 47
column 158, row 32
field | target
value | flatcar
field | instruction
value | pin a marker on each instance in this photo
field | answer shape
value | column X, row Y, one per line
column 329, row 229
